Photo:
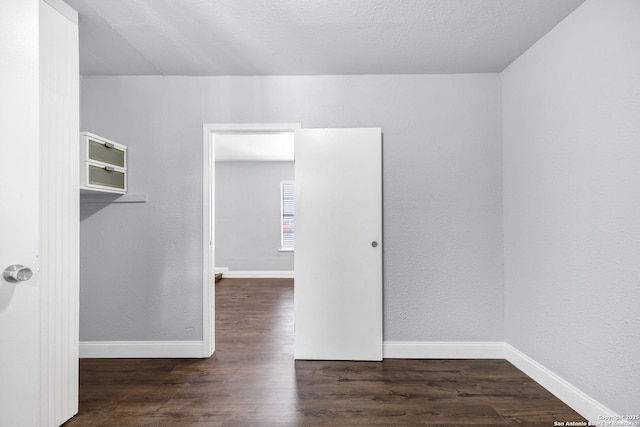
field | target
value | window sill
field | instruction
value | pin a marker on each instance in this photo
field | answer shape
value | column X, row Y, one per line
column 285, row 250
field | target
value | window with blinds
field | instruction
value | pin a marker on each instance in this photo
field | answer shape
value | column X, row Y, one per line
column 287, row 223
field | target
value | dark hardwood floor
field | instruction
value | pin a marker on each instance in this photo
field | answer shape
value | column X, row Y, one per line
column 252, row 380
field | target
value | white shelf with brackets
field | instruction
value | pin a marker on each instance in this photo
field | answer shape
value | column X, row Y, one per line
column 109, row 198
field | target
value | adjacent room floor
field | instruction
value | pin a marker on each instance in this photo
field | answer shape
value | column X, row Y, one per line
column 252, row 380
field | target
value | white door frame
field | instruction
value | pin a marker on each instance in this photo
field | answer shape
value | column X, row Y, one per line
column 208, row 215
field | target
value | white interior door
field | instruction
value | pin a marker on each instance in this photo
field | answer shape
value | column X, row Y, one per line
column 19, row 142
column 39, row 222
column 338, row 247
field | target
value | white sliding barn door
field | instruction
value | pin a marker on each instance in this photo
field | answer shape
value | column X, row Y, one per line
column 39, row 216
column 338, row 251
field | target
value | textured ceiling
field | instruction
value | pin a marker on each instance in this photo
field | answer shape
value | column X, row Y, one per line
column 307, row 37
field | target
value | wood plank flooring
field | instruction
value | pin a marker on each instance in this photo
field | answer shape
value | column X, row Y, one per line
column 252, row 380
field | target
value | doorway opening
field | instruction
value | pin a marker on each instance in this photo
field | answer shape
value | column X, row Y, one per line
column 233, row 147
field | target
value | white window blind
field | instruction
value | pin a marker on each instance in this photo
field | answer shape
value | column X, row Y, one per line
column 287, row 224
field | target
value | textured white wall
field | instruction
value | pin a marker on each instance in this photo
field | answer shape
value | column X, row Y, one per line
column 571, row 109
column 442, row 205
column 248, row 216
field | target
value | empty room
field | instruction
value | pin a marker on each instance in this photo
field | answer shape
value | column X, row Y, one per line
column 463, row 248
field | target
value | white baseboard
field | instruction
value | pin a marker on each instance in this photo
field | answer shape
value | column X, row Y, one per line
column 222, row 270
column 141, row 349
column 442, row 350
column 573, row 397
column 232, row 274
column 579, row 401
